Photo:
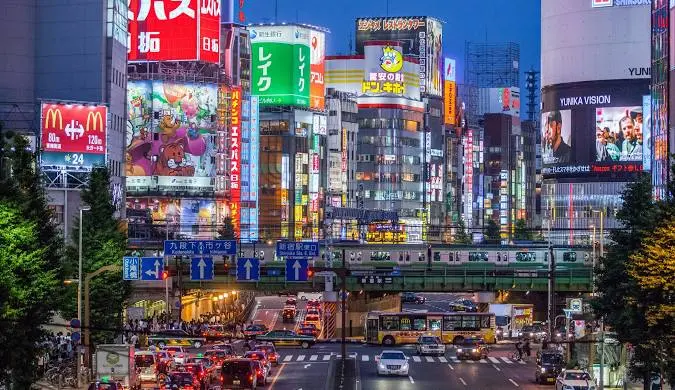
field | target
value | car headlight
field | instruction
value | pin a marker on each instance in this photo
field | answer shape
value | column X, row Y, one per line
column 567, row 387
column 474, row 350
column 381, row 366
column 499, row 331
column 543, row 369
column 459, row 349
column 404, row 366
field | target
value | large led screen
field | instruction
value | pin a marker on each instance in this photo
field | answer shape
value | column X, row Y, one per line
column 593, row 129
column 170, row 143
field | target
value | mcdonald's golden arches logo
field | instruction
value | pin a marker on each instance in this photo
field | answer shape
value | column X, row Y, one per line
column 54, row 114
column 96, row 119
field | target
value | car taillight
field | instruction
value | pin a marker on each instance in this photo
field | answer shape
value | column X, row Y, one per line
column 222, row 378
column 250, row 377
column 258, row 371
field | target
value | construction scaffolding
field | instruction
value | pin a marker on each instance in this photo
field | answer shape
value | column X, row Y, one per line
column 488, row 65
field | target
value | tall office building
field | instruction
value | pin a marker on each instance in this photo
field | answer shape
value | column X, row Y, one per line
column 64, row 85
column 660, row 118
column 595, row 78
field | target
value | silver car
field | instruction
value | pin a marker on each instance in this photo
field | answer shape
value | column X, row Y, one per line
column 430, row 345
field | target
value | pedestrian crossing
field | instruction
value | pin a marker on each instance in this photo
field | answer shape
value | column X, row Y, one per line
column 414, row 358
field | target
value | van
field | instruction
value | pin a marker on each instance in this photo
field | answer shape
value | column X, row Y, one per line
column 146, row 364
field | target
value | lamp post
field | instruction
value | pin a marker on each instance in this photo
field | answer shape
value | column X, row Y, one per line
column 601, row 381
column 79, row 291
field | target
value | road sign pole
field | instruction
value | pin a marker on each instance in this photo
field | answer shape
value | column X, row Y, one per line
column 343, row 347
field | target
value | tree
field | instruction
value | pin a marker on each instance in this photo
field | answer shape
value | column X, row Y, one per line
column 461, row 236
column 103, row 243
column 620, row 299
column 30, row 259
column 521, row 232
column 226, row 232
column 492, row 235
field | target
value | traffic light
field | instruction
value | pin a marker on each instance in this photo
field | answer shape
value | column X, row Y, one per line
column 310, row 272
column 165, row 275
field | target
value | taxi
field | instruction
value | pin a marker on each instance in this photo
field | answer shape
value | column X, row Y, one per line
column 287, row 338
column 308, row 329
column 288, row 314
column 313, row 318
column 175, row 337
column 255, row 330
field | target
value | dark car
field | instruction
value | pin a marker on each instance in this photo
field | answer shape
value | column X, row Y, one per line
column 254, row 330
column 219, row 355
column 103, row 384
column 200, row 371
column 291, row 301
column 183, row 379
column 308, row 329
column 549, row 365
column 288, row 315
column 463, row 305
column 408, row 297
column 239, row 374
column 472, row 348
column 271, row 352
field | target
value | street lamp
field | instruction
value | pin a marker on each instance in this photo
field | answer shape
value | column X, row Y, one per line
column 601, row 384
column 79, row 289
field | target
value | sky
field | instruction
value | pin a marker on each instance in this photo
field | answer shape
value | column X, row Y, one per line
column 464, row 20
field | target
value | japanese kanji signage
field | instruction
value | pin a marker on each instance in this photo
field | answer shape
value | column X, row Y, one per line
column 174, row 30
column 317, row 44
column 200, row 247
column 281, row 65
column 234, row 137
column 73, row 134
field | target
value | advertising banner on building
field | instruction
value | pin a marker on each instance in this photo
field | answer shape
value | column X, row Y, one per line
column 594, row 129
column 171, row 137
column 449, row 92
column 317, row 45
column 281, row 65
column 73, row 135
column 421, row 37
column 254, row 160
column 234, row 143
column 187, row 30
column 499, row 101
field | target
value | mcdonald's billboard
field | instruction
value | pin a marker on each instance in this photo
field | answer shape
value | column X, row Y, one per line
column 73, row 134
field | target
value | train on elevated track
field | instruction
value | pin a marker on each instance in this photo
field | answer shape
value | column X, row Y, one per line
column 404, row 255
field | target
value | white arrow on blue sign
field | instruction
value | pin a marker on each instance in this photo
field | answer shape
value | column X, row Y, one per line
column 130, row 268
column 296, row 270
column 201, row 268
column 152, row 268
column 248, row 269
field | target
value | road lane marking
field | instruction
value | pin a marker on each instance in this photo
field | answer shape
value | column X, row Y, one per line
column 307, row 365
column 288, row 358
column 496, row 368
column 411, row 379
column 443, row 359
column 313, row 357
column 326, row 357
column 301, row 358
column 514, row 382
column 454, row 359
column 430, row 359
column 506, row 360
column 274, row 380
column 451, row 367
column 483, row 361
column 471, row 361
column 462, row 380
column 493, row 359
column 365, row 358
column 417, row 359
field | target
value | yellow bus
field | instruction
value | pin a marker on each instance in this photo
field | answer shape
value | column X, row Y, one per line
column 404, row 328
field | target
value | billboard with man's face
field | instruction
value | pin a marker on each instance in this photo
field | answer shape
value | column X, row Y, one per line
column 593, row 129
column 73, row 135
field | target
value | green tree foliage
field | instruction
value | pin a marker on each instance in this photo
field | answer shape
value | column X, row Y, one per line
column 461, row 235
column 622, row 301
column 226, row 232
column 30, row 260
column 103, row 243
column 492, row 235
column 521, row 232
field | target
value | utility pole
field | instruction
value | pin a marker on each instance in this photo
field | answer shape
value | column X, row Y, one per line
column 551, row 291
column 343, row 293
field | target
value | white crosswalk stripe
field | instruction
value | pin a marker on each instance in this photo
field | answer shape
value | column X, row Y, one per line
column 365, row 358
column 507, row 360
column 443, row 359
column 454, row 359
column 470, row 361
column 313, row 358
column 494, row 359
column 326, row 357
column 417, row 359
column 430, row 359
column 288, row 358
column 301, row 358
column 483, row 361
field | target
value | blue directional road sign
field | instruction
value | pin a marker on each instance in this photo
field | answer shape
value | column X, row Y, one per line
column 297, row 249
column 201, row 268
column 248, row 269
column 130, row 268
column 296, row 270
column 152, row 268
column 199, row 247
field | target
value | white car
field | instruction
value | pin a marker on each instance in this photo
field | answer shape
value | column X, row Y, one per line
column 391, row 362
column 179, row 354
column 574, row 380
column 430, row 345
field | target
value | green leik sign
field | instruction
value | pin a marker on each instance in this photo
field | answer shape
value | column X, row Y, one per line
column 281, row 65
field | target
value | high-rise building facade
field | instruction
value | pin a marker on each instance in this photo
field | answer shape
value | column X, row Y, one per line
column 58, row 75
column 595, row 78
column 659, row 119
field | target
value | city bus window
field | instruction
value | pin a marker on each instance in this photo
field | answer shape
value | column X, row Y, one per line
column 435, row 324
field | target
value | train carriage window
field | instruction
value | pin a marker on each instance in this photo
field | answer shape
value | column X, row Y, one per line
column 380, row 256
column 451, row 256
column 452, row 322
column 526, row 257
column 546, row 257
column 389, row 323
column 570, row 257
column 437, row 256
column 435, row 324
column 478, row 256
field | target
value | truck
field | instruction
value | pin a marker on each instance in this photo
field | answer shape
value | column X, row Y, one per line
column 511, row 317
column 116, row 362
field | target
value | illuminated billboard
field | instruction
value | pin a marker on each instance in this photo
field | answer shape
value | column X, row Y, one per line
column 234, row 144
column 317, row 91
column 594, row 129
column 186, row 30
column 254, row 160
column 170, row 143
column 499, row 101
column 421, row 37
column 73, row 135
column 192, row 218
column 281, row 65
column 450, row 92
